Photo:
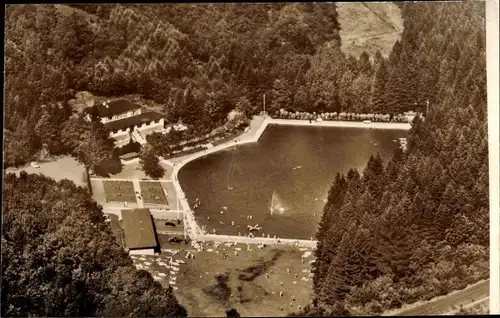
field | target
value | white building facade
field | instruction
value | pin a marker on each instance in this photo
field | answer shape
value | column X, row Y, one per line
column 127, row 121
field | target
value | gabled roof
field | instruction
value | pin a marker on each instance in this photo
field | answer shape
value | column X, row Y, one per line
column 138, row 229
column 115, row 107
column 145, row 117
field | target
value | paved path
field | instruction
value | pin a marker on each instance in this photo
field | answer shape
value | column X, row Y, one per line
column 484, row 302
column 256, row 240
column 447, row 304
column 137, row 190
column 121, row 179
column 257, row 127
column 342, row 124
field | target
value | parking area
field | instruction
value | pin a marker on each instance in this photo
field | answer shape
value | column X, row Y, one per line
column 64, row 167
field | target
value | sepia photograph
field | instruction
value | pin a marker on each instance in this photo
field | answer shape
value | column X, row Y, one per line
column 250, row 159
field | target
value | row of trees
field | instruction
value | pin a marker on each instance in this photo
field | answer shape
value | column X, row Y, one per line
column 416, row 227
column 340, row 116
column 59, row 257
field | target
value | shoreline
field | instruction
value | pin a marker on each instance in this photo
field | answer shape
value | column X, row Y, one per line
column 252, row 135
column 289, row 122
column 341, row 124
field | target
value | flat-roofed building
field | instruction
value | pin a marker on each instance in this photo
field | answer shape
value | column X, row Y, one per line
column 140, row 236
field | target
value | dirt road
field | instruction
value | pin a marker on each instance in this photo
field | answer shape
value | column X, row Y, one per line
column 446, row 304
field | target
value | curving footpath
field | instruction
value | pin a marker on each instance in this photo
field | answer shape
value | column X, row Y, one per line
column 257, row 127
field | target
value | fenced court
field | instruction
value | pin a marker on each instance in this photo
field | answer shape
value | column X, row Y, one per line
column 153, row 193
column 119, row 191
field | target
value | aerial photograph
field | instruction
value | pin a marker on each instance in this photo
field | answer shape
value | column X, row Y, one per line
column 245, row 159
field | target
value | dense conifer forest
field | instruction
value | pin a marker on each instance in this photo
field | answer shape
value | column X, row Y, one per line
column 390, row 234
column 418, row 227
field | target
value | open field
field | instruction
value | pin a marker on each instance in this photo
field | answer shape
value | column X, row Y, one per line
column 64, row 167
column 152, row 192
column 119, row 191
column 369, row 27
column 240, row 282
column 236, row 282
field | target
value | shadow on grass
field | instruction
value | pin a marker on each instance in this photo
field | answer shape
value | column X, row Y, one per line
column 221, row 290
column 254, row 271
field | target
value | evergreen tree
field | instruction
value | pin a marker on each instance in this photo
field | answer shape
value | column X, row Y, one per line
column 427, row 206
column 378, row 89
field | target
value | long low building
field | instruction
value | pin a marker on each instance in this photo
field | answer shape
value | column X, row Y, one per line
column 126, row 121
column 140, row 236
column 144, row 123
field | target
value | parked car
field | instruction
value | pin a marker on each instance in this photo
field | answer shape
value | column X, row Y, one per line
column 34, row 164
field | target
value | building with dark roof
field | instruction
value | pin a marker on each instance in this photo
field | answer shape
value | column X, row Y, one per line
column 126, row 120
column 133, row 122
column 116, row 107
column 140, row 236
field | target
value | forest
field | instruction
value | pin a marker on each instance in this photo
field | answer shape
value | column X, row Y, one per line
column 417, row 227
column 391, row 234
column 60, row 259
column 199, row 62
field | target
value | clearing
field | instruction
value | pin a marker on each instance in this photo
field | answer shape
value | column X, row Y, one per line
column 63, row 167
column 240, row 282
column 119, row 191
column 369, row 27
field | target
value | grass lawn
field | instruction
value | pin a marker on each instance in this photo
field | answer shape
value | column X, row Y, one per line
column 208, row 285
column 119, row 191
column 158, row 267
column 152, row 192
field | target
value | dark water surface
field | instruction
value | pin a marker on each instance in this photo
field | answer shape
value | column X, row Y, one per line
column 244, row 178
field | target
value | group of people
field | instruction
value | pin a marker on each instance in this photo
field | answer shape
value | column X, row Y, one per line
column 197, row 203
